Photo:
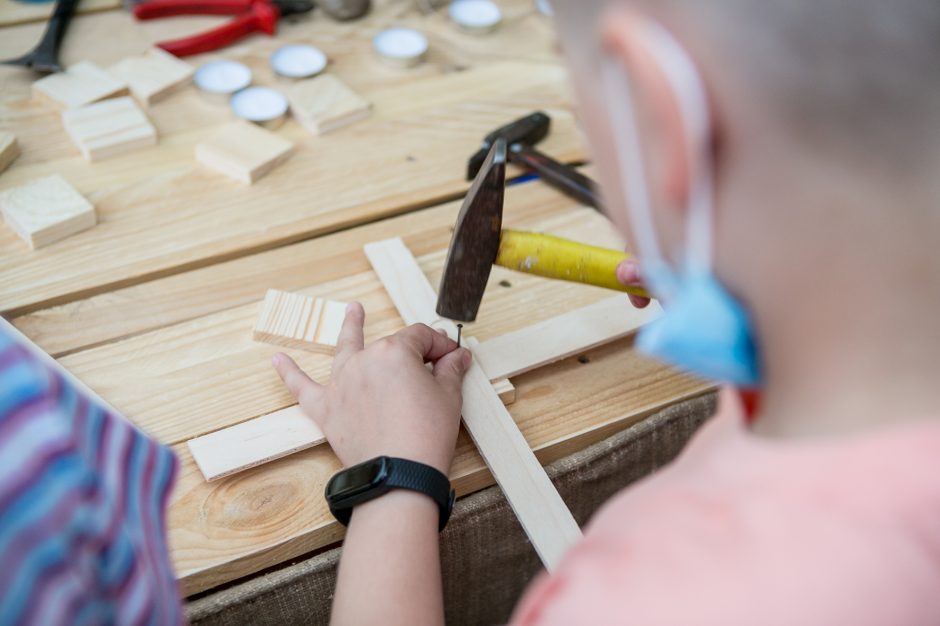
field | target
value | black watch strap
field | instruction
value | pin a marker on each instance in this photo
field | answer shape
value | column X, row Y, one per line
column 399, row 474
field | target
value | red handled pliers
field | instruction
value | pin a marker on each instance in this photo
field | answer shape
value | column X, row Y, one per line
column 253, row 15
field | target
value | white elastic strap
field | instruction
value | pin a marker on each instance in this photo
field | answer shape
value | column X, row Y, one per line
column 686, row 84
column 633, row 183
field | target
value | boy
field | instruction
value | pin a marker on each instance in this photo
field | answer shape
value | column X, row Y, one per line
column 772, row 150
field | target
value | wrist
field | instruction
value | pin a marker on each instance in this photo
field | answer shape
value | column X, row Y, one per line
column 406, row 507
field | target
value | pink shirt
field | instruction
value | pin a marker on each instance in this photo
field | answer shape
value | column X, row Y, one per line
column 745, row 530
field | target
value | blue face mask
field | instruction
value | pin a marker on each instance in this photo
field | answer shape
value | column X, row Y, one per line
column 704, row 329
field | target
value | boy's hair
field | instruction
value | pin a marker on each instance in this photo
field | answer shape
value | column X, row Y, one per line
column 846, row 78
column 853, row 76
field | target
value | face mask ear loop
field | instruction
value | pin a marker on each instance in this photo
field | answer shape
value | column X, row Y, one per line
column 633, row 181
column 686, row 84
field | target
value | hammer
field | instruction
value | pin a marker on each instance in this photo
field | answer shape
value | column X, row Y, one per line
column 479, row 242
column 520, row 136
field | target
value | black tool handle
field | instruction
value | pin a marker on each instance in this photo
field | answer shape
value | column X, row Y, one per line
column 46, row 55
column 561, row 176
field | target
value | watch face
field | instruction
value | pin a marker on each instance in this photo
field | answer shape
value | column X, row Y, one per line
column 357, row 478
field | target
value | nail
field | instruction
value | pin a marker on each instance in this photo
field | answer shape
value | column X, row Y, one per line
column 466, row 358
column 276, row 359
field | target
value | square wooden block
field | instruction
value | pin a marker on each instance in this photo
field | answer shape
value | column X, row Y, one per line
column 294, row 320
column 9, row 149
column 108, row 128
column 153, row 75
column 81, row 84
column 324, row 103
column 46, row 210
column 243, row 151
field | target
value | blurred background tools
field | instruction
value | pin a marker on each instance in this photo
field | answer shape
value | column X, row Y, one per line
column 343, row 10
column 45, row 56
column 520, row 137
column 252, row 16
column 479, row 242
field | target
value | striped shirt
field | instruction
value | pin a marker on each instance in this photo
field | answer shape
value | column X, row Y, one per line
column 83, row 498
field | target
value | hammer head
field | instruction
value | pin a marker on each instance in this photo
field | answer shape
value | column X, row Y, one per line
column 528, row 130
column 475, row 242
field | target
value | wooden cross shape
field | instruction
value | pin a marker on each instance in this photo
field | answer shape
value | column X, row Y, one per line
column 540, row 510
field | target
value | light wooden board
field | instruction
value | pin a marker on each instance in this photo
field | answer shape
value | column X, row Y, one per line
column 252, row 443
column 202, row 374
column 9, row 149
column 148, row 306
column 80, row 84
column 13, row 12
column 174, row 279
column 560, row 337
column 166, row 214
column 325, row 103
column 243, row 151
column 46, row 210
column 153, row 75
column 294, row 320
column 535, row 501
column 110, row 128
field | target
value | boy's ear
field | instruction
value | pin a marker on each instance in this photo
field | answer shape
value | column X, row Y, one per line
column 665, row 140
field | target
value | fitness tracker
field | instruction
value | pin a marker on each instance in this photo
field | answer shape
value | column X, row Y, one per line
column 376, row 477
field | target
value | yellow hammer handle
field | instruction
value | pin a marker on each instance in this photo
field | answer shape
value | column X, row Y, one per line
column 554, row 257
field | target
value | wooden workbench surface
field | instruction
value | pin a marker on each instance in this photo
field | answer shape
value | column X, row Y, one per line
column 153, row 308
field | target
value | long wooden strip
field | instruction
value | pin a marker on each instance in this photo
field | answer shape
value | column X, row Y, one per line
column 533, row 498
column 563, row 336
column 270, row 437
column 254, row 442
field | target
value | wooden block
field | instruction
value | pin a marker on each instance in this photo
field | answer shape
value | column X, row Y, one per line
column 81, row 84
column 532, row 496
column 244, row 152
column 46, row 210
column 324, row 103
column 152, row 76
column 106, row 129
column 294, row 320
column 9, row 149
column 254, row 442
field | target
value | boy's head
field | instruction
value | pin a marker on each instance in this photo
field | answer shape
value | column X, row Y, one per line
column 824, row 137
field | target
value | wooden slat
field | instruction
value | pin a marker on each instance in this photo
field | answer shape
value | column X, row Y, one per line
column 255, row 442
column 134, row 310
column 272, row 437
column 563, row 336
column 532, row 496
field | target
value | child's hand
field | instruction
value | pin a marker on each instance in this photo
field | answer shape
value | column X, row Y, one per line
column 382, row 400
column 628, row 273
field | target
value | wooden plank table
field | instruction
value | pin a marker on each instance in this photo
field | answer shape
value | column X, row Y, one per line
column 153, row 308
